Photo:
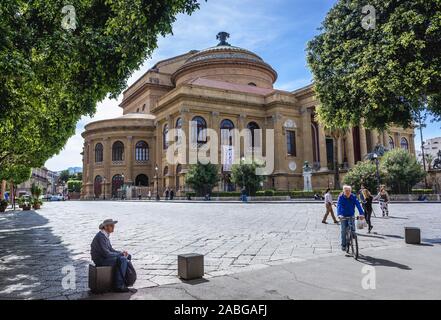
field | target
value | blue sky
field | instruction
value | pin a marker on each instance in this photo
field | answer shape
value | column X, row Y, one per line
column 277, row 30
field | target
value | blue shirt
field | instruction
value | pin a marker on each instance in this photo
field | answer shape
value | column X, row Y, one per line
column 346, row 206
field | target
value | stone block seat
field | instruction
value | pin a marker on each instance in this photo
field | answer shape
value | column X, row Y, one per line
column 100, row 279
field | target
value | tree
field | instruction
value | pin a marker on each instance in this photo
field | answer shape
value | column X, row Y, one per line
column 382, row 74
column 57, row 62
column 202, row 178
column 402, row 171
column 244, row 175
column 363, row 173
column 74, row 186
column 64, row 175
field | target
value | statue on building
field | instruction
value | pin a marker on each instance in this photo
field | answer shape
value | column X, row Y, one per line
column 307, row 177
column 437, row 163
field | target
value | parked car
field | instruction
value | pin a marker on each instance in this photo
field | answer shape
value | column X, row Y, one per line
column 57, row 197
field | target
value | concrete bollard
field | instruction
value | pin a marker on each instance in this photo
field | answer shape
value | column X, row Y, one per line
column 412, row 235
column 190, row 266
column 100, row 279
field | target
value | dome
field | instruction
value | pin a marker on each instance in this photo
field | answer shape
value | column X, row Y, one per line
column 228, row 63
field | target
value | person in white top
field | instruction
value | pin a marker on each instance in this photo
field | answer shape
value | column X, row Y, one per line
column 329, row 210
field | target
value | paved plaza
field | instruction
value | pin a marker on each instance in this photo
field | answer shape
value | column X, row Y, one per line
column 235, row 238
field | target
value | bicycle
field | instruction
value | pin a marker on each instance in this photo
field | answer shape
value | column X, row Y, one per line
column 351, row 237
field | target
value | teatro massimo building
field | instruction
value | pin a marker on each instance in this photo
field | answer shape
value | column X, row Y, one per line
column 222, row 87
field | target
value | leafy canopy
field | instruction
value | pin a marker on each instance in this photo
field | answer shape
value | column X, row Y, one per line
column 202, row 178
column 244, row 175
column 382, row 75
column 50, row 76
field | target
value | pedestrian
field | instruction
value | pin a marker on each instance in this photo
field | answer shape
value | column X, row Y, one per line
column 150, row 194
column 383, row 198
column 167, row 193
column 243, row 195
column 328, row 205
column 172, row 194
column 367, row 207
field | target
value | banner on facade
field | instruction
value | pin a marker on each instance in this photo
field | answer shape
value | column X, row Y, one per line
column 227, row 158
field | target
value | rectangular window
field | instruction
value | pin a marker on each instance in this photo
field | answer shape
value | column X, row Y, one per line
column 291, row 143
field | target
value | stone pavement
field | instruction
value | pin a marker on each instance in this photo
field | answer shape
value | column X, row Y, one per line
column 36, row 246
column 400, row 273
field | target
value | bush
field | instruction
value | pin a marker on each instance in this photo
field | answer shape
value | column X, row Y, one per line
column 363, row 173
column 402, row 170
column 244, row 175
column 74, row 186
column 202, row 178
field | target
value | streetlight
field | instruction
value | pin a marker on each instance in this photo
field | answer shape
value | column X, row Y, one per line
column 158, row 198
column 104, row 191
column 377, row 163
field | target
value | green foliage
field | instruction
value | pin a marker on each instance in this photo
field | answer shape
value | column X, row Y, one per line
column 36, row 191
column 202, row 178
column 363, row 173
column 64, row 175
column 402, row 170
column 244, row 175
column 50, row 77
column 16, row 173
column 74, row 186
column 383, row 75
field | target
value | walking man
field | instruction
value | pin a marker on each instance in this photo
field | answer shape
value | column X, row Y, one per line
column 328, row 205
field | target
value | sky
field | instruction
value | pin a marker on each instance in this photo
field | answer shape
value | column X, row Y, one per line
column 277, row 30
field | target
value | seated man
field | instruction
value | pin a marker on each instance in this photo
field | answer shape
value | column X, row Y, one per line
column 104, row 255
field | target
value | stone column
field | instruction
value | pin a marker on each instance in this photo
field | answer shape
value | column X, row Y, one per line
column 90, row 178
column 397, row 139
column 279, row 143
column 350, row 148
column 307, row 136
column 242, row 125
column 107, row 161
column 129, row 160
column 340, row 150
column 322, row 148
column 363, row 142
column 185, row 116
column 412, row 144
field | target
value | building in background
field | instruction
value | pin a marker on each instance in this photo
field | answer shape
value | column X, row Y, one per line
column 42, row 177
column 431, row 149
column 221, row 88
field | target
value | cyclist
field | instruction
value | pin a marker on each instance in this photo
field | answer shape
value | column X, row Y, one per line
column 347, row 201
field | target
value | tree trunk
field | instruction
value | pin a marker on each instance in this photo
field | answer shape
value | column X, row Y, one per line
column 336, row 165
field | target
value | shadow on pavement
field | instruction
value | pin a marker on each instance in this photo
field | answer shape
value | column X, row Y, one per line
column 376, row 262
column 32, row 258
column 195, row 282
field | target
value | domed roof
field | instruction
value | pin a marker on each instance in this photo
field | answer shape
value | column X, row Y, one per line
column 225, row 53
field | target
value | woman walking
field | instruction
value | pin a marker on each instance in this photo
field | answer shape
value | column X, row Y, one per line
column 328, row 205
column 367, row 207
column 383, row 197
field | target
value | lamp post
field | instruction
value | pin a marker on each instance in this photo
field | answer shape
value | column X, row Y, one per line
column 377, row 163
column 122, row 187
column 104, row 191
column 243, row 173
column 158, row 198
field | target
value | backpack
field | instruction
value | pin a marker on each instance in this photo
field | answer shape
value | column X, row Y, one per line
column 130, row 276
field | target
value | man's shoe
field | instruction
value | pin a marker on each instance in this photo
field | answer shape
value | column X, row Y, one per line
column 122, row 290
column 324, row 222
column 336, row 222
column 343, row 248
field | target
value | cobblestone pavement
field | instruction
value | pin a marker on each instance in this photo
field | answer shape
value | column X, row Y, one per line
column 35, row 246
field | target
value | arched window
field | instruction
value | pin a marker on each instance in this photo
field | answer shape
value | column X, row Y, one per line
column 97, row 186
column 164, row 137
column 253, row 127
column 404, row 144
column 118, row 151
column 391, row 143
column 117, row 183
column 179, row 125
column 199, row 130
column 226, row 137
column 252, row 84
column 165, row 171
column 99, row 153
column 142, row 181
column 142, row 151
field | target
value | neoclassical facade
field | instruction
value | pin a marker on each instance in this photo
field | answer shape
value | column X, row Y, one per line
column 221, row 88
